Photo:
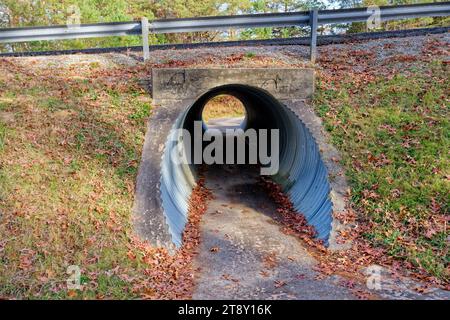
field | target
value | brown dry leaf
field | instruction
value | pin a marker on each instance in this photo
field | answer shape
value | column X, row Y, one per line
column 131, row 255
column 423, row 289
column 264, row 273
column 300, row 276
column 72, row 293
column 279, row 283
column 26, row 259
column 270, row 261
column 228, row 277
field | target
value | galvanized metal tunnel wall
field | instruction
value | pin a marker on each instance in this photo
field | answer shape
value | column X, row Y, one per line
column 273, row 99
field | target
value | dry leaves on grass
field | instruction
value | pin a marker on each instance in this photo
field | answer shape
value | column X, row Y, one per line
column 347, row 263
column 174, row 274
column 270, row 261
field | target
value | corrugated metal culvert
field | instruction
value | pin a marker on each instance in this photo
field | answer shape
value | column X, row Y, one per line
column 302, row 174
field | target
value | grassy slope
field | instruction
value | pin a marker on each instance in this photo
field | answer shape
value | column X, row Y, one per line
column 70, row 147
column 67, row 173
column 393, row 133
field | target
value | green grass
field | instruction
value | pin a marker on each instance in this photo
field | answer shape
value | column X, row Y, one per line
column 67, row 175
column 142, row 111
column 249, row 54
column 2, row 135
column 394, row 136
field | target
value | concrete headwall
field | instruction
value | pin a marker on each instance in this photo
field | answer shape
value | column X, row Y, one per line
column 175, row 91
column 181, row 84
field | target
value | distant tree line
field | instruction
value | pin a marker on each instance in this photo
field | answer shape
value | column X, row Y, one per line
column 19, row 13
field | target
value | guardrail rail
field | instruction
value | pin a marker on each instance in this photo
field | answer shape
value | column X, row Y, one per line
column 312, row 18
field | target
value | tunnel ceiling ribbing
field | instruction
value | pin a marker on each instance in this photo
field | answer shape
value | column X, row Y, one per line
column 302, row 173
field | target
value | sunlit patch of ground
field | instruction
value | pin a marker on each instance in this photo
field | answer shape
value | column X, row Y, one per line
column 223, row 106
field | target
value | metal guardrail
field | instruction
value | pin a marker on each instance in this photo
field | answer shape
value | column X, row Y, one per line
column 298, row 18
column 311, row 18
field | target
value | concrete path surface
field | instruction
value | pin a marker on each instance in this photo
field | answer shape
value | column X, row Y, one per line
column 244, row 254
column 225, row 123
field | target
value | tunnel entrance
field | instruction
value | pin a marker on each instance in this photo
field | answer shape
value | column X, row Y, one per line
column 224, row 112
column 273, row 100
column 300, row 170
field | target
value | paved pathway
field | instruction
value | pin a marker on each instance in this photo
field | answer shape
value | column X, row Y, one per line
column 243, row 253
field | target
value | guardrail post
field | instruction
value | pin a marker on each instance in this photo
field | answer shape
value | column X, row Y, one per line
column 145, row 46
column 313, row 18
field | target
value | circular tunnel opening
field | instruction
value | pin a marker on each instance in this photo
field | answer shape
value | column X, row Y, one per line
column 300, row 170
column 224, row 111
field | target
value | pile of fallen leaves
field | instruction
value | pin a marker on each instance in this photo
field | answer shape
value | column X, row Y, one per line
column 351, row 263
column 329, row 263
column 294, row 222
column 171, row 276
